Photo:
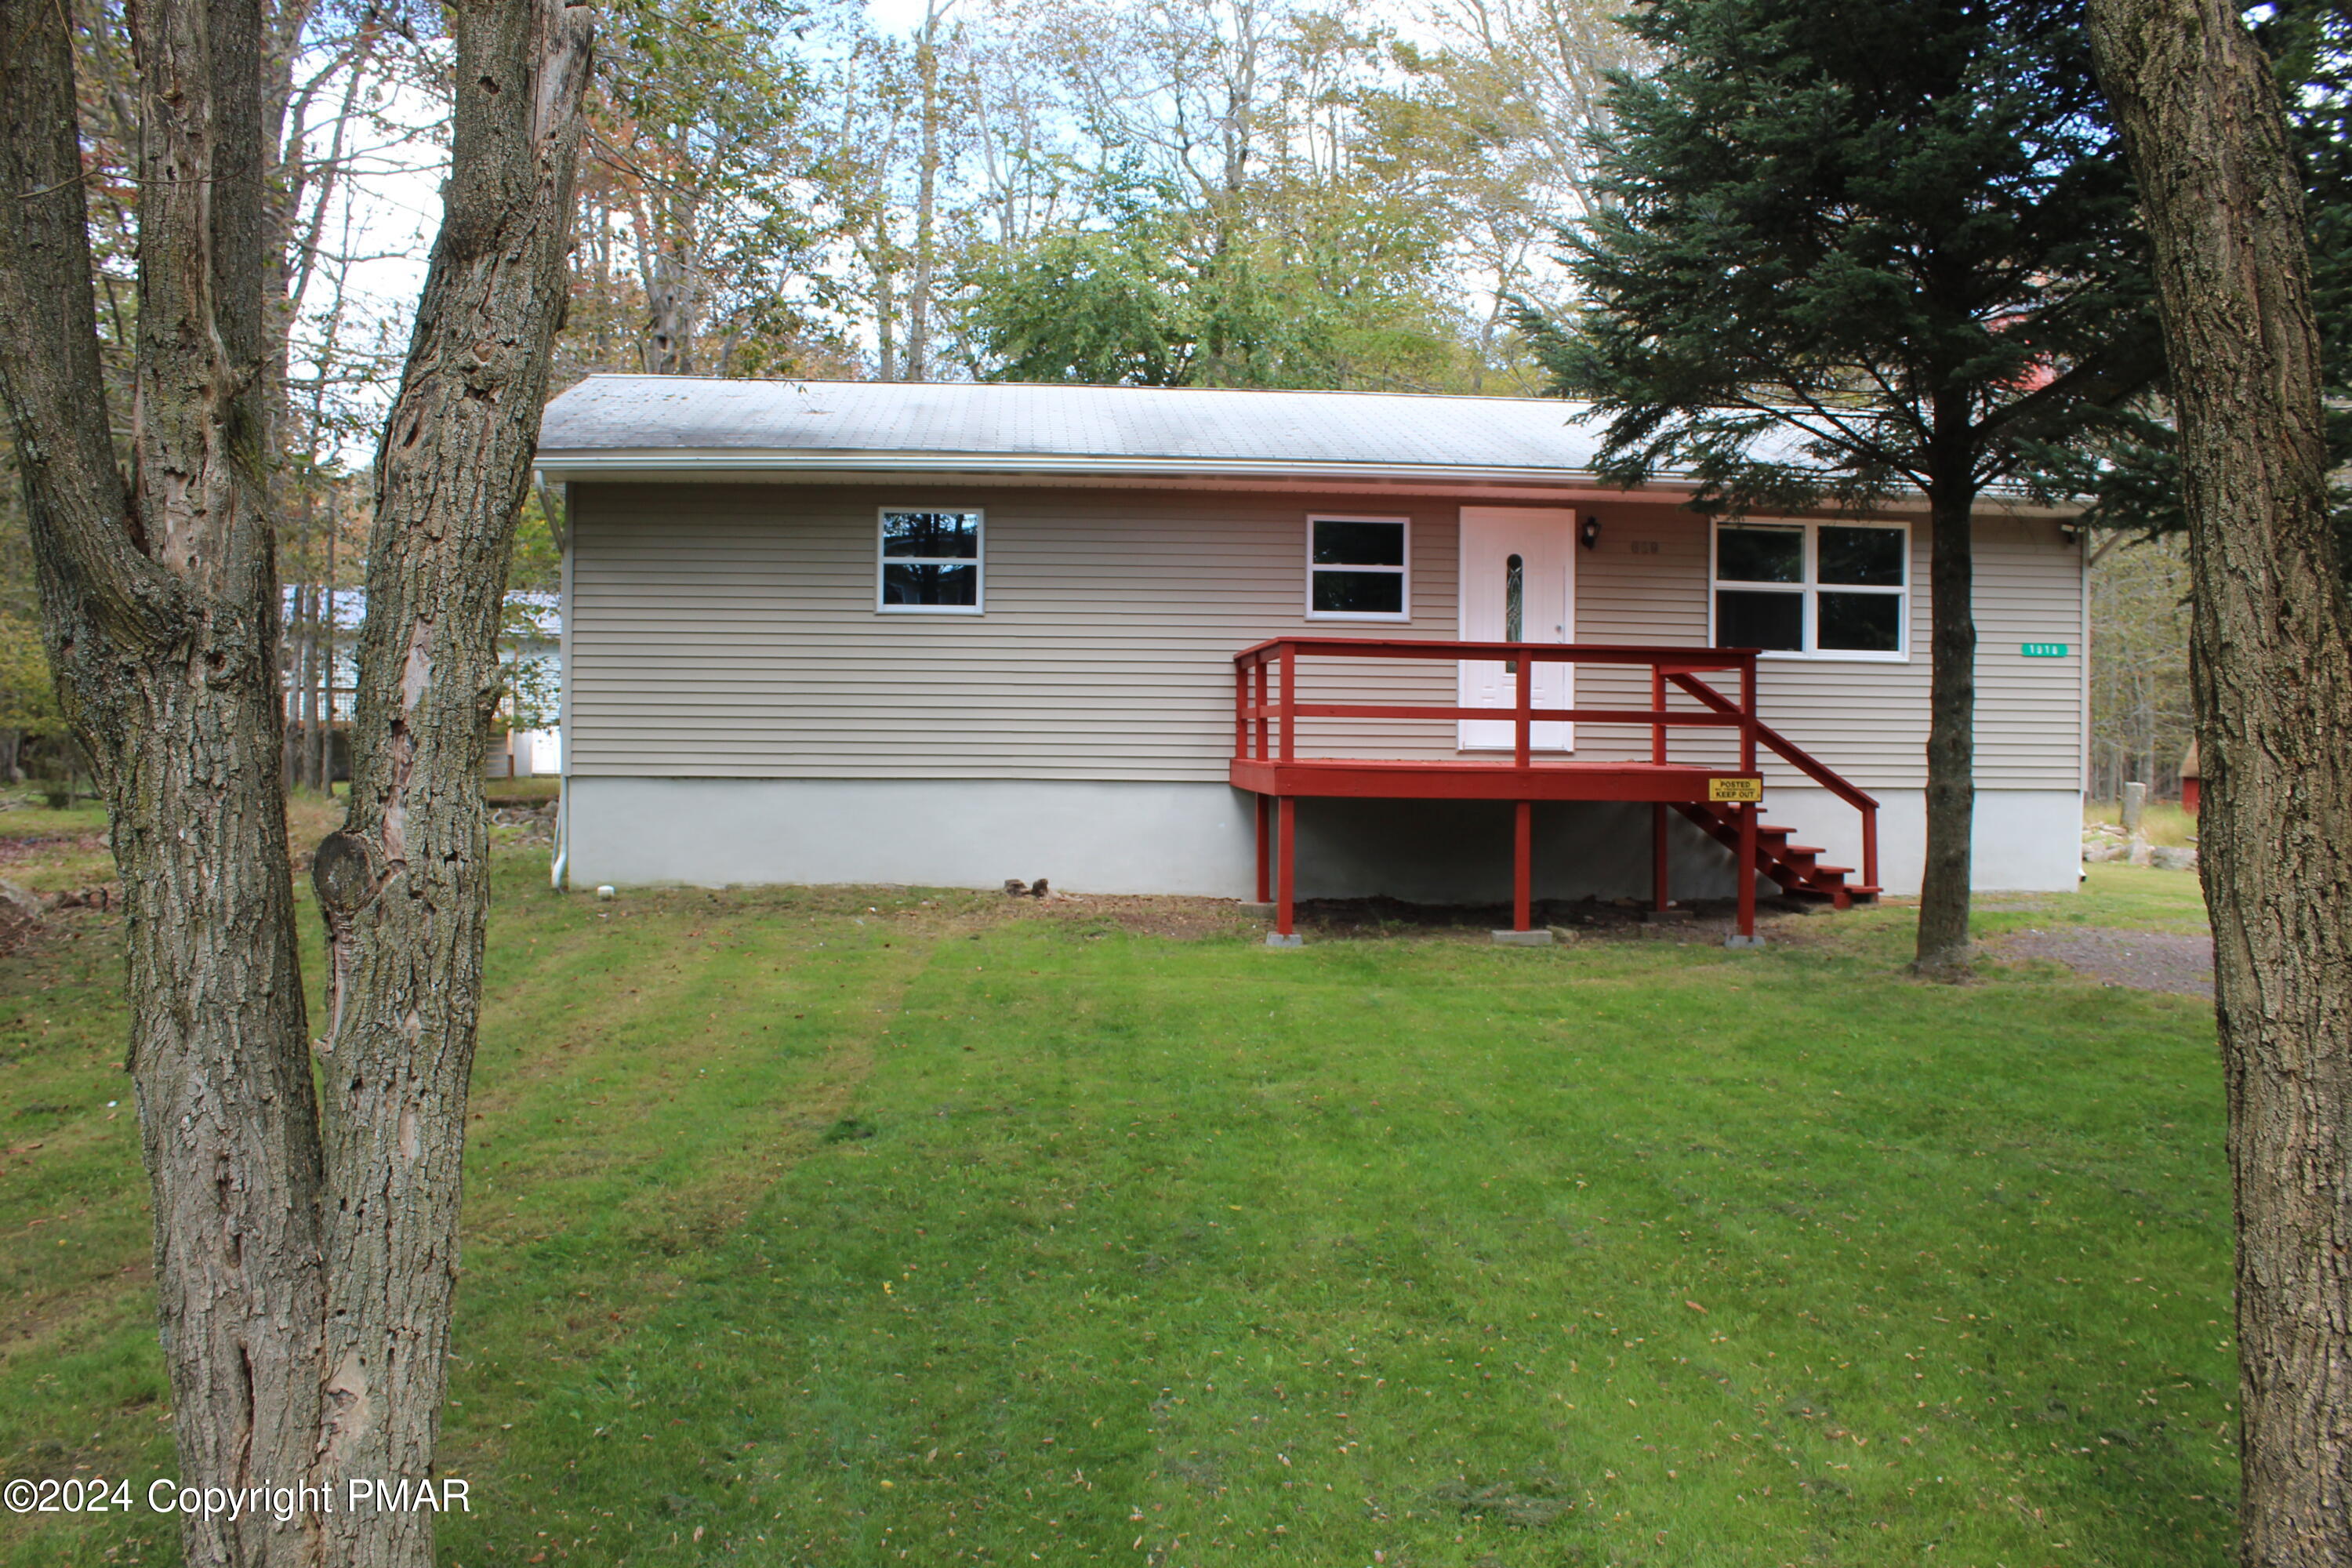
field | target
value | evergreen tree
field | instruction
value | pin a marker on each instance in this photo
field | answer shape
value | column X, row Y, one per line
column 1851, row 250
column 2135, row 483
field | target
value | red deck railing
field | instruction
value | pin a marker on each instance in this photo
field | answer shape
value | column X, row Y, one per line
column 1274, row 714
column 1267, row 711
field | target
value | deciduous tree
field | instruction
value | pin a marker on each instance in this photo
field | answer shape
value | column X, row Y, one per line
column 304, row 1251
column 2270, row 646
column 695, row 242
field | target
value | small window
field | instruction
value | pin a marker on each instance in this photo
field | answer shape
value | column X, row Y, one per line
column 930, row 563
column 1828, row 590
column 1356, row 569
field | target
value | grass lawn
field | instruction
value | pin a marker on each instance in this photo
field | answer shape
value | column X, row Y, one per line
column 826, row 1228
column 2160, row 821
column 535, row 789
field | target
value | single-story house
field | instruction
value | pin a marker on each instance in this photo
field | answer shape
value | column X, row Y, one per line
column 1116, row 638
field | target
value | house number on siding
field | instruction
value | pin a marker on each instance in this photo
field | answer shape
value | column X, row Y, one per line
column 2043, row 649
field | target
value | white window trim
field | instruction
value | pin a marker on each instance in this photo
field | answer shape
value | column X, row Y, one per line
column 1811, row 588
column 1404, row 571
column 978, row 564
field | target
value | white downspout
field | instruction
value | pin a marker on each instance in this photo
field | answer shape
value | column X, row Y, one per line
column 564, row 705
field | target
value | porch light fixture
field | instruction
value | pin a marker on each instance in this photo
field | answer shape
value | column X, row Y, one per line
column 1588, row 533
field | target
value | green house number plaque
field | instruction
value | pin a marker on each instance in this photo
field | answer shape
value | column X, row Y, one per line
column 2043, row 650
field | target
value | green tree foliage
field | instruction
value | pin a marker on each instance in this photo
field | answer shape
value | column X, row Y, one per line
column 2311, row 43
column 1103, row 307
column 1260, row 203
column 1161, row 298
column 2132, row 480
column 32, row 733
column 1851, row 250
column 28, row 699
column 1898, row 239
column 696, row 251
column 1172, row 192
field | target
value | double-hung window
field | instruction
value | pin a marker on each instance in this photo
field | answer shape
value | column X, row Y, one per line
column 1356, row 569
column 1825, row 590
column 929, row 563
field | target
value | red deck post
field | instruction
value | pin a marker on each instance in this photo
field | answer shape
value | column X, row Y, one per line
column 1747, row 714
column 1870, row 846
column 1747, row 870
column 1289, row 725
column 1265, row 879
column 1285, row 818
column 1241, row 710
column 1524, row 726
column 1523, row 855
column 1658, row 856
column 1658, row 705
column 1264, row 750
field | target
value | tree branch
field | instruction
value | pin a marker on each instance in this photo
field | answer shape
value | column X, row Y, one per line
column 49, row 373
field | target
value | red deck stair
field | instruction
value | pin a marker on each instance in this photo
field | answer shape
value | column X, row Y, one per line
column 1797, row 867
column 1723, row 798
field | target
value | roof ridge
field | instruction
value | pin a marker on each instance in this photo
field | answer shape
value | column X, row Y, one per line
column 747, row 380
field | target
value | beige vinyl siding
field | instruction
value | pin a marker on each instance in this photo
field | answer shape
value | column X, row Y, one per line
column 1865, row 719
column 729, row 631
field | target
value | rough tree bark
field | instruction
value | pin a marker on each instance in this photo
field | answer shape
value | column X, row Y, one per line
column 1942, row 949
column 304, row 1252
column 404, row 884
column 2271, row 658
column 160, row 608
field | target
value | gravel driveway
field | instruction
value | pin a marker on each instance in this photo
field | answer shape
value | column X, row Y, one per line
column 2145, row 960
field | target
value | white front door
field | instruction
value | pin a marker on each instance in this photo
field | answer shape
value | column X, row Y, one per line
column 1518, row 585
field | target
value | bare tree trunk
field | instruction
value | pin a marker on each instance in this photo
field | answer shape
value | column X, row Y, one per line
column 885, row 302
column 669, row 335
column 329, row 646
column 404, row 885
column 926, row 182
column 162, row 615
column 304, row 679
column 280, row 40
column 2271, row 646
column 1943, row 943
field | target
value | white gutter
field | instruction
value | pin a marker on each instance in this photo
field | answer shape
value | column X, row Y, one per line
column 608, row 462
column 742, row 465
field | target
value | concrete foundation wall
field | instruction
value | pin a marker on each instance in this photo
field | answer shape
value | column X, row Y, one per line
column 1197, row 838
column 2026, row 840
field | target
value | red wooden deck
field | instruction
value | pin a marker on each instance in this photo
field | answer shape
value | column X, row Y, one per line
column 1725, row 802
column 1472, row 779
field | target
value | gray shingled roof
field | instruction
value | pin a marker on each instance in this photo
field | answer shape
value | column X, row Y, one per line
column 610, row 422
